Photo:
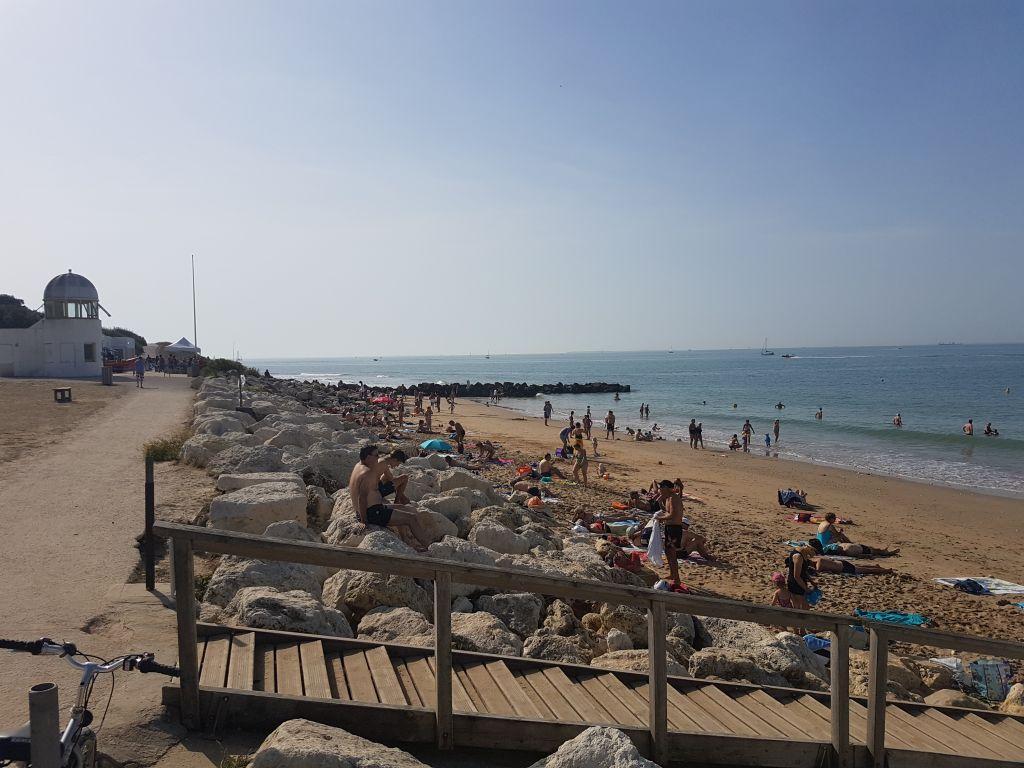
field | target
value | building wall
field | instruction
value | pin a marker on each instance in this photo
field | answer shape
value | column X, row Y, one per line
column 52, row 348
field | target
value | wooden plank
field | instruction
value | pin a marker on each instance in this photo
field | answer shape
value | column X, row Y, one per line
column 289, row 669
column 914, row 736
column 461, row 700
column 336, row 674
column 183, row 570
column 408, row 686
column 839, row 666
column 770, row 716
column 1009, row 725
column 616, row 708
column 494, row 700
column 423, row 679
column 533, row 696
column 443, row 701
column 1010, row 745
column 974, row 742
column 585, row 707
column 798, row 721
column 264, row 670
column 657, row 682
column 858, row 728
column 748, row 716
column 551, row 696
column 925, row 728
column 462, row 676
column 619, row 691
column 700, row 721
column 389, row 690
column 877, row 674
column 215, row 661
column 507, row 683
column 240, row 664
column 587, row 691
column 802, row 707
column 315, row 681
column 725, row 716
column 357, row 672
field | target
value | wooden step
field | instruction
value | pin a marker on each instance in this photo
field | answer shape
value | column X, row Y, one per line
column 242, row 661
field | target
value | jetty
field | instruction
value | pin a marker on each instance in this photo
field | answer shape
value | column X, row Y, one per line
column 459, row 698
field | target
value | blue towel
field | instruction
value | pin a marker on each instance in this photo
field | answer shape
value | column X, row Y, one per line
column 894, row 617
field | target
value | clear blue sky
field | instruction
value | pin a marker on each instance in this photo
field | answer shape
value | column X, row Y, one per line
column 447, row 178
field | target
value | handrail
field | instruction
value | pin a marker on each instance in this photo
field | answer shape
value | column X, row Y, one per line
column 187, row 539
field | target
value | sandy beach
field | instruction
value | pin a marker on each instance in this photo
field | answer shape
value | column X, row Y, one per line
column 941, row 531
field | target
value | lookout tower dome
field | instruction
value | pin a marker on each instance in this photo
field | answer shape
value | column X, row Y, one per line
column 71, row 297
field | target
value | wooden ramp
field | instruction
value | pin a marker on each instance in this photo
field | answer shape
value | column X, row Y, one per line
column 385, row 691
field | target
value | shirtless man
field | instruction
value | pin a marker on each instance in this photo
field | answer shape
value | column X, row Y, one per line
column 850, row 549
column 609, row 425
column 831, row 565
column 546, row 468
column 458, row 430
column 969, row 428
column 368, row 501
column 677, row 536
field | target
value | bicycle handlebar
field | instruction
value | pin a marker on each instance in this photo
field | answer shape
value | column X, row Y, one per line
column 29, row 646
column 143, row 662
column 147, row 664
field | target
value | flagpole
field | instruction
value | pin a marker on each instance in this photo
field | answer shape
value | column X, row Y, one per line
column 195, row 333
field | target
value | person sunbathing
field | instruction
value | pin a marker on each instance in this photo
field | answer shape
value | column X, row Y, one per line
column 643, row 503
column 849, row 549
column 830, row 565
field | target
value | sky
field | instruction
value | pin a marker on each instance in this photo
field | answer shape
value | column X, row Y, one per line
column 453, row 178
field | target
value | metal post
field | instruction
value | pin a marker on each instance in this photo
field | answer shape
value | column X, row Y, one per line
column 840, row 714
column 443, row 658
column 148, row 545
column 44, row 725
column 878, row 672
column 188, row 657
column 657, row 682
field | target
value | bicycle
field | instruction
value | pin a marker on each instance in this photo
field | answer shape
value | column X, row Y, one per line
column 77, row 740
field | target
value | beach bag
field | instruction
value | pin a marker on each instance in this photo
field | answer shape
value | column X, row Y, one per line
column 656, row 547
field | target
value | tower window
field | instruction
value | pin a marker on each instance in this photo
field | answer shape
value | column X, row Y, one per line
column 90, row 353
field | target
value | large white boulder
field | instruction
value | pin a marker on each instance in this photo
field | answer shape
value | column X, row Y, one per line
column 635, row 661
column 217, row 423
column 253, row 508
column 497, row 537
column 545, row 644
column 396, row 625
column 305, row 744
column 362, row 591
column 432, row 461
column 597, row 747
column 460, row 478
column 335, row 462
column 462, row 551
column 292, row 611
column 228, row 483
column 1013, row 704
column 239, row 459
column 452, row 507
column 725, row 663
column 291, row 436
column 520, row 611
column 484, row 632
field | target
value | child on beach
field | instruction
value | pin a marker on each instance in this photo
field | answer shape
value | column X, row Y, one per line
column 596, row 454
column 783, row 598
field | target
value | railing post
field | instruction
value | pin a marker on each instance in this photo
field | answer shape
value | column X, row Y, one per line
column 185, row 607
column 840, row 714
column 443, row 658
column 657, row 687
column 148, row 547
column 44, row 725
column 878, row 673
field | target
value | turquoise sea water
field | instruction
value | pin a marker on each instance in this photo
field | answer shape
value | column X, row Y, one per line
column 936, row 389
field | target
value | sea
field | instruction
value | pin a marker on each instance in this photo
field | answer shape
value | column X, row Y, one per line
column 935, row 389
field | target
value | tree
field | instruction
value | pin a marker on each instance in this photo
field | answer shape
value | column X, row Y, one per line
column 14, row 313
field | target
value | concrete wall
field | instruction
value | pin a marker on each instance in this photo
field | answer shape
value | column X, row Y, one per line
column 52, row 348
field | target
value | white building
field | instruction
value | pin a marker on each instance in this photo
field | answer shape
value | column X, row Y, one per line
column 66, row 343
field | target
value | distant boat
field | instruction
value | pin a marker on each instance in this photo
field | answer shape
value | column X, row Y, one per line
column 764, row 350
column 488, row 355
column 375, row 359
column 788, row 356
column 951, row 344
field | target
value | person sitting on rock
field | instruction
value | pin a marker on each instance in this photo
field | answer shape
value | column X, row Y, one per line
column 368, row 502
column 388, row 483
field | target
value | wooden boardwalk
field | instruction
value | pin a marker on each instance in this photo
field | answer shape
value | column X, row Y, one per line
column 386, row 691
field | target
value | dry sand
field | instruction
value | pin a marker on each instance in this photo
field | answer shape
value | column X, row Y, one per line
column 942, row 531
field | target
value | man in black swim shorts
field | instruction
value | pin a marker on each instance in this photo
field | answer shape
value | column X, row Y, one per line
column 364, row 487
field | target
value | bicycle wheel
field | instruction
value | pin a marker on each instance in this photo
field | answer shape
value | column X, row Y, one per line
column 84, row 753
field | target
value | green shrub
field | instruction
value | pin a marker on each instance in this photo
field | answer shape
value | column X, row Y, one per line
column 140, row 341
column 166, row 448
column 221, row 366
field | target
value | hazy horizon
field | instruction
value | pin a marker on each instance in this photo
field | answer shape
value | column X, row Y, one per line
column 454, row 178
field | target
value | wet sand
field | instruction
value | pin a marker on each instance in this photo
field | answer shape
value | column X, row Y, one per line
column 942, row 531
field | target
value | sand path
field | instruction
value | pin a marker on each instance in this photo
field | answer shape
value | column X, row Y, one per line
column 70, row 513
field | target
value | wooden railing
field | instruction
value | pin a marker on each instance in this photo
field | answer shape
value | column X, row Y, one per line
column 190, row 539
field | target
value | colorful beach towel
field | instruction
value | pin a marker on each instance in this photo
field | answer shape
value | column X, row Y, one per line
column 994, row 586
column 894, row 617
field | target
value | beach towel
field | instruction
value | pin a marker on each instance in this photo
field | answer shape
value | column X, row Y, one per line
column 656, row 549
column 991, row 677
column 994, row 586
column 894, row 617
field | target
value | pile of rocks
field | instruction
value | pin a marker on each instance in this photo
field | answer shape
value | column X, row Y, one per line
column 282, row 466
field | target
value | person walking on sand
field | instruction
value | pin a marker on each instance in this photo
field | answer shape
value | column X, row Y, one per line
column 587, row 423
column 969, row 428
column 364, row 487
column 693, row 433
column 547, row 411
column 140, row 371
column 609, row 426
column 698, row 435
column 776, row 428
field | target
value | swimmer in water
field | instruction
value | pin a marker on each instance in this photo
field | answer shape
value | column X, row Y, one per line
column 820, row 414
column 968, row 428
column 990, row 431
column 779, row 406
column 897, row 420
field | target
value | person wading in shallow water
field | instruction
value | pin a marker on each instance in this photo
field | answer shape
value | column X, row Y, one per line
column 366, row 489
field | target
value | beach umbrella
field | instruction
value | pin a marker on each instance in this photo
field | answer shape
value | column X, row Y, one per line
column 436, row 445
column 382, row 400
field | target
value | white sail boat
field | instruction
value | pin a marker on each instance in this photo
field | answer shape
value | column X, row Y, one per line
column 764, row 350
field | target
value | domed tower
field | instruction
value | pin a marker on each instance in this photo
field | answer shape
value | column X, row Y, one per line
column 72, row 334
